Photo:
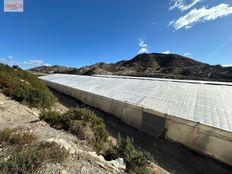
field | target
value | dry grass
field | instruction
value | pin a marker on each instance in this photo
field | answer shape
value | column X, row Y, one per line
column 26, row 155
column 16, row 137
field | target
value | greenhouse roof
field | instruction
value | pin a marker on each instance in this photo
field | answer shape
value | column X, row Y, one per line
column 209, row 103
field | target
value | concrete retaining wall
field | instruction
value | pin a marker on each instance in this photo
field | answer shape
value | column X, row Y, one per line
column 208, row 140
column 202, row 138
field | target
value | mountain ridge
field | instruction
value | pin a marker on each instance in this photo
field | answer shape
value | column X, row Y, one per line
column 155, row 65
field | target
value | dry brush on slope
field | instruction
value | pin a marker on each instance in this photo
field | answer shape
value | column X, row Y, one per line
column 25, row 87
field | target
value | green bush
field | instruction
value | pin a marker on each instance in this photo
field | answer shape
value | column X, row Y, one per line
column 52, row 117
column 77, row 118
column 135, row 159
column 25, row 87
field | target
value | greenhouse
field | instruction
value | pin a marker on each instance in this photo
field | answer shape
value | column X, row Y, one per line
column 197, row 114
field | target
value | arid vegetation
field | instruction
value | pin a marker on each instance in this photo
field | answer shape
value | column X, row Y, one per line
column 22, row 152
column 25, row 87
column 81, row 122
column 135, row 159
column 84, row 123
column 26, row 154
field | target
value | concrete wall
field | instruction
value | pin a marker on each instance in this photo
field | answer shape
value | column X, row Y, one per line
column 202, row 138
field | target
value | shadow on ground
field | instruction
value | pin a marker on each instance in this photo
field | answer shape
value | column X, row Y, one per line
column 173, row 157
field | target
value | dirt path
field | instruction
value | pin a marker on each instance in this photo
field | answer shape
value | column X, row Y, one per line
column 172, row 157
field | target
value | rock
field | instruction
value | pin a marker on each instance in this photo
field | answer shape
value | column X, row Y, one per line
column 118, row 163
column 34, row 113
column 63, row 172
column 69, row 146
column 2, row 105
column 113, row 140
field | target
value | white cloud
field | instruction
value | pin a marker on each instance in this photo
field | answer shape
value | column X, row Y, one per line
column 166, row 52
column 2, row 60
column 187, row 54
column 182, row 4
column 201, row 15
column 10, row 60
column 227, row 65
column 143, row 47
column 10, row 57
column 143, row 50
column 34, row 63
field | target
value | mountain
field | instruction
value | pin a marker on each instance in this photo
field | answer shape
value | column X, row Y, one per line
column 50, row 69
column 151, row 65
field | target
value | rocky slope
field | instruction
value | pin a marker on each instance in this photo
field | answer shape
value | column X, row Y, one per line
column 81, row 159
column 151, row 65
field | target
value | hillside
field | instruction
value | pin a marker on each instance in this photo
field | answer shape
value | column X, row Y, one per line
column 38, row 134
column 151, row 65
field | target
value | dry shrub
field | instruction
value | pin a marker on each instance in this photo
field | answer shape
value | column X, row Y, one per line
column 82, row 122
column 26, row 154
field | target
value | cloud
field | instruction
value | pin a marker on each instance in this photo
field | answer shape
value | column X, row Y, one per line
column 10, row 57
column 182, row 4
column 143, row 47
column 143, row 50
column 187, row 54
column 2, row 60
column 166, row 52
column 227, row 65
column 9, row 61
column 201, row 15
column 35, row 63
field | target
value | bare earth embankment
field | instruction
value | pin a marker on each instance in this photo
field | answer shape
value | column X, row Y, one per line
column 82, row 159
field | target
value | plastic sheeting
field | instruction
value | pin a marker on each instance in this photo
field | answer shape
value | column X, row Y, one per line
column 209, row 103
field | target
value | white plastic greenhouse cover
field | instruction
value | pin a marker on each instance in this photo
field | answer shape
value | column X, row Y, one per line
column 209, row 103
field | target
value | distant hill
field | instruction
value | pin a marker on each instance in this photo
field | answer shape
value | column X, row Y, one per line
column 151, row 65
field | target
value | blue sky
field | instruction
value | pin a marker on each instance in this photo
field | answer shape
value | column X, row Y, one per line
column 83, row 32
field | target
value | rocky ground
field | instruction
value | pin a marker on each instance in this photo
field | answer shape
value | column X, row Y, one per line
column 81, row 160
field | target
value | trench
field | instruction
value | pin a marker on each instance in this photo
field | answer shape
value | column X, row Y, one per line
column 173, row 157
